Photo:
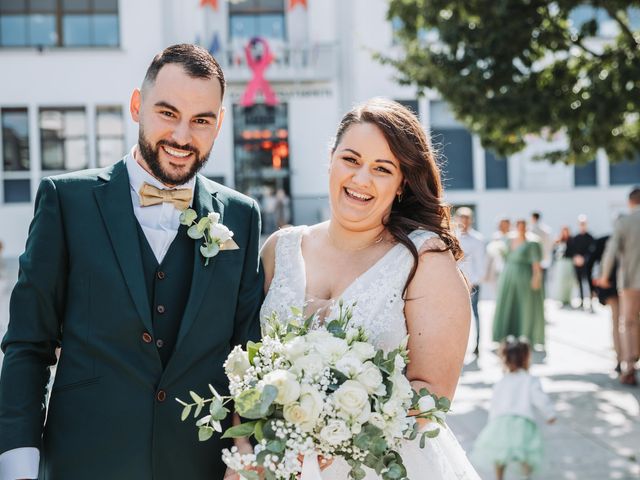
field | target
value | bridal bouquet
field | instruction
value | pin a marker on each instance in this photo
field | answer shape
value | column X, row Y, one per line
column 304, row 392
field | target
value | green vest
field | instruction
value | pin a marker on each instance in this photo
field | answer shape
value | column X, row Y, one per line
column 168, row 285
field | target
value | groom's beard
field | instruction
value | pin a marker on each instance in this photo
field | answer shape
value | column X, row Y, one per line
column 151, row 157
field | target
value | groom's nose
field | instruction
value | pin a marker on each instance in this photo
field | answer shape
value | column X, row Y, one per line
column 182, row 133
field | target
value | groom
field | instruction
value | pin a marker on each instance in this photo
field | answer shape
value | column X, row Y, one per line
column 111, row 277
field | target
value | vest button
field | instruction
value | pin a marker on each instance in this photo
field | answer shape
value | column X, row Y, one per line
column 160, row 309
column 146, row 338
column 160, row 275
column 161, row 396
column 159, row 343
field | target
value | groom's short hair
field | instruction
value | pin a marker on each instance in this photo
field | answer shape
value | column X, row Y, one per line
column 196, row 61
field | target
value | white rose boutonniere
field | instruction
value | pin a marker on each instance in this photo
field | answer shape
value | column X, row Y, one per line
column 215, row 235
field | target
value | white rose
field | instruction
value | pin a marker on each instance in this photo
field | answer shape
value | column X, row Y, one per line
column 285, row 382
column 391, row 408
column 220, row 232
column 377, row 420
column 364, row 351
column 399, row 363
column 306, row 410
column 426, row 403
column 352, row 400
column 371, row 378
column 311, row 365
column 401, row 387
column 332, row 348
column 316, row 337
column 349, row 365
column 312, row 401
column 237, row 362
column 295, row 413
column 295, row 348
column 214, row 217
column 335, row 432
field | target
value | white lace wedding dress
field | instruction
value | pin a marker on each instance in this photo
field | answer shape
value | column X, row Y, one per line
column 380, row 310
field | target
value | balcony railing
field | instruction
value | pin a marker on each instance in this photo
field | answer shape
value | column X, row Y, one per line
column 291, row 63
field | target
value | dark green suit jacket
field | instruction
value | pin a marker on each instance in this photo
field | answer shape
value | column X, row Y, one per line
column 112, row 412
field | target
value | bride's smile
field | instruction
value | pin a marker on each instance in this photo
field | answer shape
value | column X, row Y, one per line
column 364, row 178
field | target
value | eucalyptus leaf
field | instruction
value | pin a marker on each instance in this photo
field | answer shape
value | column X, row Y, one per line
column 210, row 250
column 198, row 410
column 249, row 475
column 188, row 216
column 275, row 446
column 238, row 431
column 258, row 433
column 194, row 233
column 205, row 433
column 185, row 412
column 203, row 224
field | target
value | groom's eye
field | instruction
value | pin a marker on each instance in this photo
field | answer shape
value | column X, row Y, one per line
column 167, row 113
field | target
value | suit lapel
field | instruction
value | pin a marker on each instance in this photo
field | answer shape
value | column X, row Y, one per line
column 114, row 202
column 205, row 202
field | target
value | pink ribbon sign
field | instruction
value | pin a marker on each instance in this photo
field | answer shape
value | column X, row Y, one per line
column 258, row 64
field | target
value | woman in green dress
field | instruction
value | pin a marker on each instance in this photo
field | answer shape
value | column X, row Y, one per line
column 520, row 298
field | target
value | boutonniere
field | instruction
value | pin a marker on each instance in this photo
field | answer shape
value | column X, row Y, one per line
column 215, row 235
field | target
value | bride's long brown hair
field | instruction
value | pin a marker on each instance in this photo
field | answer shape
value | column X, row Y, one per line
column 420, row 206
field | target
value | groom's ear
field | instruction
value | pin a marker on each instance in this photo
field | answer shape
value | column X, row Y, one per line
column 134, row 105
column 220, row 120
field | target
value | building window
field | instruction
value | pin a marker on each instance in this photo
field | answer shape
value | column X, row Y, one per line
column 625, row 173
column 496, row 171
column 257, row 18
column 585, row 175
column 63, row 137
column 454, row 146
column 110, row 145
column 59, row 23
column 261, row 158
column 15, row 152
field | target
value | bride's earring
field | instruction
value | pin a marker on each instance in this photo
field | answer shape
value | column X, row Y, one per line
column 399, row 197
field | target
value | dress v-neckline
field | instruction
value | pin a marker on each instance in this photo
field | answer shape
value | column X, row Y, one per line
column 331, row 302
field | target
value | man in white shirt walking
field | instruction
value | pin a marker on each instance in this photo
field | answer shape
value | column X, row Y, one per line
column 544, row 234
column 473, row 263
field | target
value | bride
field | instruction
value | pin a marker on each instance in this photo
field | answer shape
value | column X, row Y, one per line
column 387, row 247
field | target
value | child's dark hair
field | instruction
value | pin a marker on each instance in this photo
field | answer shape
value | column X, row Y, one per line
column 515, row 352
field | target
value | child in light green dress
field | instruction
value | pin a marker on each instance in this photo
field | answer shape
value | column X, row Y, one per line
column 512, row 434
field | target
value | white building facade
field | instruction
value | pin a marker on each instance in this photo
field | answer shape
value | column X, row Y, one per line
column 69, row 67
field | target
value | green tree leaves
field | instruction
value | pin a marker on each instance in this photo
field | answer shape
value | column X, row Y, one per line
column 513, row 68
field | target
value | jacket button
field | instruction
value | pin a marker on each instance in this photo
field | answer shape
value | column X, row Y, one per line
column 160, row 309
column 160, row 275
column 161, row 396
column 146, row 337
column 159, row 343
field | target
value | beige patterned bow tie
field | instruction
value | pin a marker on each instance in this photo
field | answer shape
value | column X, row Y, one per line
column 150, row 195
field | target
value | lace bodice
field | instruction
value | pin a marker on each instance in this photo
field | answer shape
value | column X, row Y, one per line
column 377, row 293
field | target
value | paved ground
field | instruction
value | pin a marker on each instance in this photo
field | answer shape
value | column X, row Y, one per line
column 597, row 436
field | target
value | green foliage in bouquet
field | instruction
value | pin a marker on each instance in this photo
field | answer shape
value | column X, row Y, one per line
column 319, row 389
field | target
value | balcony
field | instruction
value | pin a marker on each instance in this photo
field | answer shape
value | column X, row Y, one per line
column 292, row 63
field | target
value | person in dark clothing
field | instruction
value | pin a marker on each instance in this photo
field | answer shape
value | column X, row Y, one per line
column 608, row 295
column 581, row 248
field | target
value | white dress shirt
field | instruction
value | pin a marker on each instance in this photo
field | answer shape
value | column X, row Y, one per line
column 473, row 263
column 160, row 225
column 520, row 393
column 159, row 222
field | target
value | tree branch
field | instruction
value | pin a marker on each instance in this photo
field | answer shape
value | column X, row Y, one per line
column 615, row 14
